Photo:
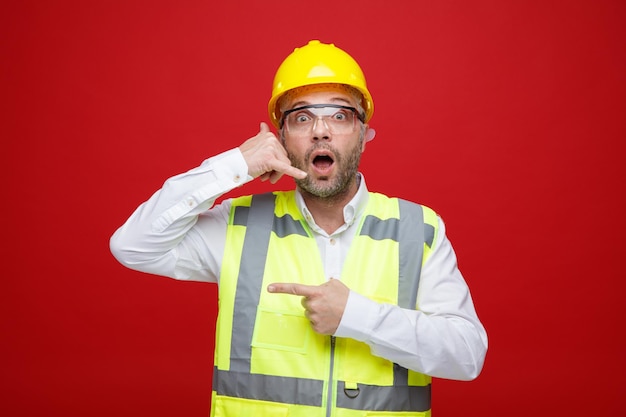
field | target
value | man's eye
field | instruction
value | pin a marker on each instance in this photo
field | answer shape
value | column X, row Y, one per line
column 303, row 118
column 340, row 116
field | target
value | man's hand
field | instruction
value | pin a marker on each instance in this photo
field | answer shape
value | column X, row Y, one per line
column 323, row 304
column 266, row 157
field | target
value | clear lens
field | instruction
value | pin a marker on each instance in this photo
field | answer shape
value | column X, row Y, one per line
column 338, row 119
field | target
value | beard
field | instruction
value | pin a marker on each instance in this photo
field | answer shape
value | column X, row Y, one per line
column 347, row 166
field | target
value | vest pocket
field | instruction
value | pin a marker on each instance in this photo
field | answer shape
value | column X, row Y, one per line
column 281, row 330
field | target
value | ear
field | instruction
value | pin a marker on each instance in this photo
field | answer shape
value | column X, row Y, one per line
column 369, row 134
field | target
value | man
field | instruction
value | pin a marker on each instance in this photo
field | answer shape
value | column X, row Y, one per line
column 332, row 300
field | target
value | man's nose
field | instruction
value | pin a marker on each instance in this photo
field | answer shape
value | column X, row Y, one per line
column 320, row 129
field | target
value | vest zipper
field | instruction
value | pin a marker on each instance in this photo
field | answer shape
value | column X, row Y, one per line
column 331, row 383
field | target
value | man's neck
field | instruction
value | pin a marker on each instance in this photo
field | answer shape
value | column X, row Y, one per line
column 328, row 211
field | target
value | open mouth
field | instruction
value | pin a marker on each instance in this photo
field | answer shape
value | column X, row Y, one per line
column 323, row 162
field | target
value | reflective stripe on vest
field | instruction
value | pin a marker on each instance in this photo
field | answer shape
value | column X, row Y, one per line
column 302, row 391
column 260, row 220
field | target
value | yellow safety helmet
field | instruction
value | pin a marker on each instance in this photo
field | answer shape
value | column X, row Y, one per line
column 318, row 63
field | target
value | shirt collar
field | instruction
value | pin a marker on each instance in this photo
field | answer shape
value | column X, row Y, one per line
column 351, row 211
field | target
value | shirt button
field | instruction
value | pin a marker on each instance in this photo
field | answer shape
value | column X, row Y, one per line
column 332, row 241
column 237, row 178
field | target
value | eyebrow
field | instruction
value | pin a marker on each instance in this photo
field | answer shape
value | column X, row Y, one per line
column 304, row 103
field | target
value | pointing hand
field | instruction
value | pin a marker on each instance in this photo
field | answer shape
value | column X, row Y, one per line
column 323, row 304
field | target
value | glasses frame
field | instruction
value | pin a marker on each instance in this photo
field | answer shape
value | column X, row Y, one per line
column 360, row 117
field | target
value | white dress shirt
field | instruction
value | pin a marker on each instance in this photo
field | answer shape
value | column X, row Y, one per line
column 180, row 233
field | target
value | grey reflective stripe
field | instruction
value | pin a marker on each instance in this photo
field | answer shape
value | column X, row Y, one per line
column 282, row 226
column 400, row 375
column 378, row 398
column 280, row 389
column 429, row 234
column 411, row 240
column 250, row 279
column 241, row 215
column 286, row 225
column 379, row 229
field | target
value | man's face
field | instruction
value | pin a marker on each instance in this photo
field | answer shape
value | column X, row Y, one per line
column 326, row 143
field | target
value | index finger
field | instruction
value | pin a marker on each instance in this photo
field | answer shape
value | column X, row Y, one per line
column 291, row 288
column 286, row 168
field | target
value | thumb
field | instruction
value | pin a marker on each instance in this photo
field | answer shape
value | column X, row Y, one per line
column 264, row 128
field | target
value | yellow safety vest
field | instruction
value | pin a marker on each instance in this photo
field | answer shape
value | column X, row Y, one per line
column 268, row 360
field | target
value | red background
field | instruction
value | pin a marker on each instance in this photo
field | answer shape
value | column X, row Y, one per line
column 507, row 117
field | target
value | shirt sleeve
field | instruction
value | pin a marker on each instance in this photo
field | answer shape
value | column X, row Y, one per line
column 173, row 233
column 442, row 338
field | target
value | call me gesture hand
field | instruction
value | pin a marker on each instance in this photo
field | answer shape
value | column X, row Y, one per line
column 323, row 304
column 266, row 157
